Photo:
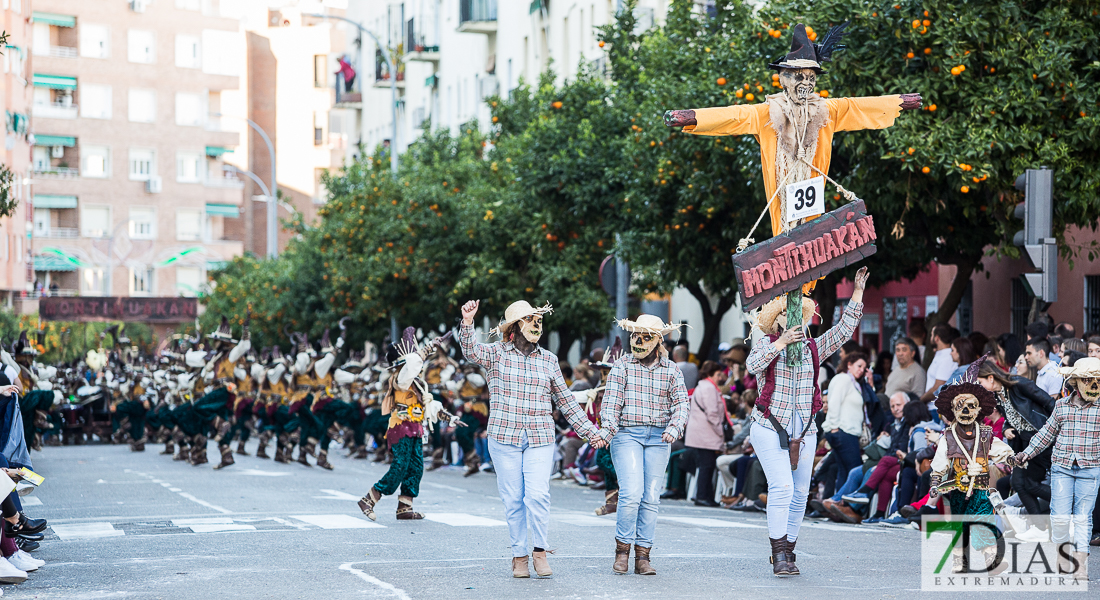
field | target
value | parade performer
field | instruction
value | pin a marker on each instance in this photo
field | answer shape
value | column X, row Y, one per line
column 782, row 431
column 525, row 385
column 960, row 468
column 645, row 410
column 278, row 412
column 472, row 391
column 216, row 404
column 409, row 406
column 1074, row 430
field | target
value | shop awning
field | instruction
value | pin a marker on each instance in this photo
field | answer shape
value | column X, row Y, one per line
column 222, row 210
column 54, row 140
column 57, row 82
column 53, row 19
column 52, row 263
column 214, row 265
column 216, row 150
column 54, row 201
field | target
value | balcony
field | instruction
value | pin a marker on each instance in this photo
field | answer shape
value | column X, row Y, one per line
column 477, row 16
column 58, row 233
column 418, row 44
column 353, row 100
column 383, row 82
column 225, row 183
column 55, row 110
column 55, row 173
column 61, row 52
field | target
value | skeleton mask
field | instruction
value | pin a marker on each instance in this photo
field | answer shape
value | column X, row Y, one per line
column 966, row 408
column 1088, row 388
column 798, row 84
column 642, row 343
column 409, row 371
column 531, row 328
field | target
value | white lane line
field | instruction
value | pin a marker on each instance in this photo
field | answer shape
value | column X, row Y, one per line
column 844, row 528
column 212, row 525
column 337, row 522
column 702, row 522
column 583, row 520
column 77, row 531
column 31, row 501
column 259, row 473
column 205, row 503
column 444, row 487
column 389, row 587
column 165, row 484
column 462, row 520
column 337, row 495
column 174, row 490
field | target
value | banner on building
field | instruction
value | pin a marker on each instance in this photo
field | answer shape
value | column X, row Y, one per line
column 141, row 310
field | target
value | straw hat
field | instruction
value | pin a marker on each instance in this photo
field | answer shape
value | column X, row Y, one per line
column 516, row 311
column 765, row 319
column 1087, row 367
column 648, row 324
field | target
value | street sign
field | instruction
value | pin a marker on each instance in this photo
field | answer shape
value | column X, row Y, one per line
column 808, row 252
column 142, row 310
column 806, row 199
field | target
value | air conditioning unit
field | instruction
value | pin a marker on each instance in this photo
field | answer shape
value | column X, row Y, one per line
column 138, row 6
column 153, row 185
column 57, row 151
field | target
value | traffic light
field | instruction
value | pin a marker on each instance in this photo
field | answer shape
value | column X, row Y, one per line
column 1037, row 213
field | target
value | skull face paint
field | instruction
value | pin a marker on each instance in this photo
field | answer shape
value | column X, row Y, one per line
column 531, row 328
column 966, row 408
column 642, row 343
column 798, row 84
column 1088, row 388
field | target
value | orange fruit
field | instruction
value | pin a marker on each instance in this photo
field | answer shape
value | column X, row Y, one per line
column 823, row 93
column 926, row 13
column 601, row 43
column 557, row 104
column 746, row 86
column 911, row 150
column 910, row 55
column 740, row 93
column 928, row 51
column 749, row 97
column 721, row 81
column 495, row 119
column 916, row 24
column 926, row 22
column 925, row 170
column 932, row 108
column 965, row 189
column 775, row 76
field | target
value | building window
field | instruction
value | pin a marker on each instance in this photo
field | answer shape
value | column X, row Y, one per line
column 95, row 41
column 189, row 281
column 1021, row 308
column 40, row 156
column 189, row 4
column 189, row 224
column 142, row 164
column 1092, row 303
column 95, row 101
column 188, row 109
column 143, row 222
column 96, row 161
column 187, row 167
column 43, row 218
column 141, row 46
column 93, row 282
column 143, row 106
column 188, row 53
column 141, row 281
column 320, row 70
column 95, row 221
column 318, row 128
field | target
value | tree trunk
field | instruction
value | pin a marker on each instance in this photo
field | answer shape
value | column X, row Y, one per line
column 566, row 338
column 824, row 295
column 712, row 318
column 948, row 307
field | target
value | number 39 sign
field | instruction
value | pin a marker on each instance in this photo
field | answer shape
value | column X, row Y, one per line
column 806, row 199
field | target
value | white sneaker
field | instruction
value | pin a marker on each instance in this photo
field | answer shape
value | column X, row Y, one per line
column 24, row 561
column 1033, row 534
column 10, row 574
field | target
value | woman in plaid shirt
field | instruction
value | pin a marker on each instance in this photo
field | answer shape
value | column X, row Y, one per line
column 525, row 385
column 784, row 412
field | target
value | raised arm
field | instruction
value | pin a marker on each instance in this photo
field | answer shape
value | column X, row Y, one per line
column 567, row 403
column 834, row 338
column 740, row 119
column 482, row 354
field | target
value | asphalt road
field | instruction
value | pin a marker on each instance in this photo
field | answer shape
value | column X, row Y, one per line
column 126, row 525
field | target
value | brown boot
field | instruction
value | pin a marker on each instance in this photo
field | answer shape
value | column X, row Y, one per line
column 473, row 464
column 405, row 510
column 380, row 454
column 322, row 460
column 542, row 566
column 261, row 450
column 169, row 447
column 240, row 448
column 1082, row 572
column 303, row 456
column 437, row 459
column 198, row 450
column 366, row 503
column 138, row 446
column 362, row 453
column 780, row 566
column 641, row 561
column 622, row 558
column 281, row 449
column 610, row 503
column 184, row 453
column 227, row 457
column 520, row 570
column 789, row 552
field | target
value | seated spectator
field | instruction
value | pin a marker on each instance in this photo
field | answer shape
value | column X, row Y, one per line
column 962, row 352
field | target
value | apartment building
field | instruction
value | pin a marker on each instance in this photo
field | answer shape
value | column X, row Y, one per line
column 16, row 276
column 131, row 195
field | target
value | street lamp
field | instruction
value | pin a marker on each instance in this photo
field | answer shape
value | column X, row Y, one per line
column 393, row 80
column 272, row 210
column 260, row 182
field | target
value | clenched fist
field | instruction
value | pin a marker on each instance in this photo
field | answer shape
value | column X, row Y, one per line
column 469, row 310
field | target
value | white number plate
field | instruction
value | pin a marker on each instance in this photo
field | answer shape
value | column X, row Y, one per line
column 806, row 199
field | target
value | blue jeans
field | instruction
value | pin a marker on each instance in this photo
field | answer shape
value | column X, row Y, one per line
column 856, row 479
column 523, row 480
column 640, row 457
column 848, row 455
column 1072, row 495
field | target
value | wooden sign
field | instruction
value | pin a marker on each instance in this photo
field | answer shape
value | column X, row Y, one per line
column 143, row 310
column 804, row 254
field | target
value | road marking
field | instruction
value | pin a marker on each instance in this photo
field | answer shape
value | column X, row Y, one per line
column 703, row 522
column 337, row 495
column 78, row 531
column 400, row 593
column 337, row 522
column 444, row 487
column 583, row 520
column 462, row 520
column 174, row 490
column 31, row 501
column 212, row 525
column 205, row 503
column 259, row 473
column 838, row 527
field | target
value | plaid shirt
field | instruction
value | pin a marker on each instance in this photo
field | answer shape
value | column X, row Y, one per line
column 1074, row 429
column 523, row 391
column 795, row 385
column 639, row 395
